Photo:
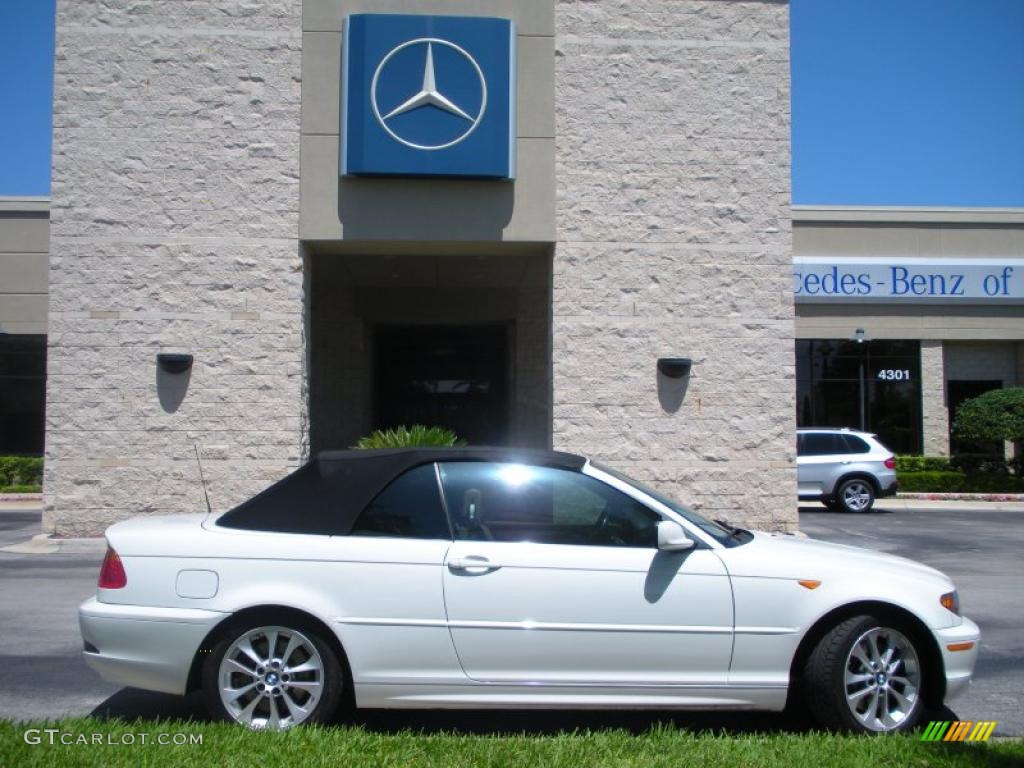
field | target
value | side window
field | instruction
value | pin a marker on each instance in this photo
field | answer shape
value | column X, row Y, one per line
column 822, row 444
column 516, row 502
column 855, row 445
column 410, row 507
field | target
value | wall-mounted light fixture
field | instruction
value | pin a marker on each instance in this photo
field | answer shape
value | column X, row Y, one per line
column 675, row 367
column 173, row 362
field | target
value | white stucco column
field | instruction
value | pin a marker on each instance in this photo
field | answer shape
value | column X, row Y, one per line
column 934, row 413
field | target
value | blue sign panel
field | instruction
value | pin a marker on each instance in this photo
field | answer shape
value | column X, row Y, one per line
column 428, row 96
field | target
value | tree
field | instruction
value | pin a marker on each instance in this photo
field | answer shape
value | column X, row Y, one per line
column 995, row 415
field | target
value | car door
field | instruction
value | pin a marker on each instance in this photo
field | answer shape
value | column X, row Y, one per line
column 816, row 462
column 555, row 577
column 386, row 580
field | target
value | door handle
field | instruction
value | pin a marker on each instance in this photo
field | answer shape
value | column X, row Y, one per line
column 472, row 564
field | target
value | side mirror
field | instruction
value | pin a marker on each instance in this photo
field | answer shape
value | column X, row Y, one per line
column 672, row 537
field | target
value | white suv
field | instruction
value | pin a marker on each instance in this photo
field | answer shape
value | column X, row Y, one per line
column 844, row 469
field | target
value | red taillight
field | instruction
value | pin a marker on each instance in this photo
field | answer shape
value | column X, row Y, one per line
column 890, row 463
column 112, row 575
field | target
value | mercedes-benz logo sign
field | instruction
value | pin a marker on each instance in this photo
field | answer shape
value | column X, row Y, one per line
column 429, row 93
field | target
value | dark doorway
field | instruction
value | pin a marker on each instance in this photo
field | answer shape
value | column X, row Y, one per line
column 958, row 391
column 449, row 376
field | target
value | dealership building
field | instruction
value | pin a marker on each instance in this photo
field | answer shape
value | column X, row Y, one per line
column 277, row 226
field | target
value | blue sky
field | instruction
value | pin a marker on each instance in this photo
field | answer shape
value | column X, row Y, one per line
column 908, row 102
column 895, row 102
column 26, row 96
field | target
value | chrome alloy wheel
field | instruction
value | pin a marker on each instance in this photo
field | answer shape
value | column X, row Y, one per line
column 882, row 680
column 857, row 496
column 271, row 677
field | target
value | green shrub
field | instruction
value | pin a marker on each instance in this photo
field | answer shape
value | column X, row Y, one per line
column 922, row 463
column 20, row 470
column 996, row 415
column 981, row 464
column 958, row 482
column 21, row 489
column 408, row 437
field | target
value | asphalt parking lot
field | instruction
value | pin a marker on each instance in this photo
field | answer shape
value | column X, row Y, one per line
column 44, row 676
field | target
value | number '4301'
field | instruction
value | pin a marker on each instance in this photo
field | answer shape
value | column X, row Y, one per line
column 894, row 374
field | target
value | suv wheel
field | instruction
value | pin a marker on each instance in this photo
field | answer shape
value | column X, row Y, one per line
column 856, row 495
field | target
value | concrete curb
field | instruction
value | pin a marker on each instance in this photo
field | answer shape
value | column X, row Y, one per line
column 21, row 497
column 45, row 544
column 987, row 497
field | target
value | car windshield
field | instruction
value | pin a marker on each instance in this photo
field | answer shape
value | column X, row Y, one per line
column 729, row 537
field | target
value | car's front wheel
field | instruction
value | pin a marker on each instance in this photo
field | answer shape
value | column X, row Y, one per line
column 272, row 675
column 856, row 495
column 865, row 675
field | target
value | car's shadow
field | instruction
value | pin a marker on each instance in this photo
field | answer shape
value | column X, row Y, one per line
column 803, row 510
column 132, row 703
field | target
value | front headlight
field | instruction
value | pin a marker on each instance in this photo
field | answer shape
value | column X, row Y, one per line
column 951, row 602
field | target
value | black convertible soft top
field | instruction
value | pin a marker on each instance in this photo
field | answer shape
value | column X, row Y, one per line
column 326, row 495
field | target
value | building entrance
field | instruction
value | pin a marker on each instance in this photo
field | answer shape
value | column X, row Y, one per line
column 457, row 341
column 449, row 376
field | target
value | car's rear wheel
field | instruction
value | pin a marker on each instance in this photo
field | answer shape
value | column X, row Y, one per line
column 865, row 675
column 273, row 676
column 856, row 495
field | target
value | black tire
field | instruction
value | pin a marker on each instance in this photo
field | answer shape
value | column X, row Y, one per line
column 855, row 495
column 869, row 706
column 298, row 697
column 832, row 505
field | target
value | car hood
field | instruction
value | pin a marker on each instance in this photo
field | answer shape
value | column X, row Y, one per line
column 776, row 555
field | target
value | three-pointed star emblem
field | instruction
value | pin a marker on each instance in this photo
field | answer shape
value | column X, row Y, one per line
column 428, row 94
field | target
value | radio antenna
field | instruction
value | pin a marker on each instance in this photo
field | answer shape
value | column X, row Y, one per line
column 202, row 479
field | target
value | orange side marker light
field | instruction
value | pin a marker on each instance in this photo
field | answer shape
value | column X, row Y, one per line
column 809, row 583
column 966, row 646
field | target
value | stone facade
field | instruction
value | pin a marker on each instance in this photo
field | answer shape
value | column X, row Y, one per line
column 674, row 239
column 174, row 228
column 934, row 410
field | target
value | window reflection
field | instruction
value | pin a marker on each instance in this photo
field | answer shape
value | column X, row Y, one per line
column 832, row 374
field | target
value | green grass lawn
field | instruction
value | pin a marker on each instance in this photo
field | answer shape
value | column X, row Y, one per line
column 346, row 747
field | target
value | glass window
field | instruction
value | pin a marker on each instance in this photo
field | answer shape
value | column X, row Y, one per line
column 874, row 386
column 22, row 394
column 855, row 445
column 823, row 444
column 728, row 536
column 410, row 507
column 517, row 502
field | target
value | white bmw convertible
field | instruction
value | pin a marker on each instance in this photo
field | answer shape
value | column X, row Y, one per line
column 440, row 578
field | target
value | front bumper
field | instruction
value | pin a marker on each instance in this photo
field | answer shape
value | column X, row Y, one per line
column 141, row 646
column 959, row 665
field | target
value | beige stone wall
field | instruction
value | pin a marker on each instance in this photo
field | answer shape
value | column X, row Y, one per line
column 675, row 240
column 934, row 408
column 176, row 224
column 174, row 228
